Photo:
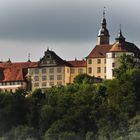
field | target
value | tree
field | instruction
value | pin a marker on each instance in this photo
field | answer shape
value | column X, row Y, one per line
column 22, row 133
column 83, row 79
column 126, row 62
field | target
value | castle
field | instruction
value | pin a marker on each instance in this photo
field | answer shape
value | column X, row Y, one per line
column 51, row 70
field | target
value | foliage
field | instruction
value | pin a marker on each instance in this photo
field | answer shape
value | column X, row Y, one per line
column 79, row 111
column 83, row 79
column 21, row 133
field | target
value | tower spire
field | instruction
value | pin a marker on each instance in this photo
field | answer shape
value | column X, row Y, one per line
column 120, row 33
column 103, row 36
column 120, row 37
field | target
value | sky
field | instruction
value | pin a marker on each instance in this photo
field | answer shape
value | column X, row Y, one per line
column 68, row 27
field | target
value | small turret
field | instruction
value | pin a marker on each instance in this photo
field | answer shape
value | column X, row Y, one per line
column 9, row 60
column 29, row 57
column 120, row 37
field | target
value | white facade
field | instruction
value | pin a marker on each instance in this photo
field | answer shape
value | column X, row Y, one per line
column 112, row 62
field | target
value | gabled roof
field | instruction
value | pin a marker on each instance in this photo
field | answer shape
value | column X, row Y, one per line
column 78, row 63
column 53, row 59
column 99, row 51
column 14, row 71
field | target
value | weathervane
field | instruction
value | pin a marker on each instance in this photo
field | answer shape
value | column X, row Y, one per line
column 104, row 12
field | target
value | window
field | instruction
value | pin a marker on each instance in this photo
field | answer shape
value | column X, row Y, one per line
column 51, row 77
column 98, row 70
column 113, row 65
column 36, row 84
column 80, row 71
column 44, row 84
column 51, row 84
column 59, row 70
column 59, row 77
column 44, row 71
column 104, row 69
column 36, row 78
column 16, row 83
column 36, row 71
column 90, row 61
column 89, row 70
column 98, row 61
column 51, row 70
column 44, row 78
column 72, row 71
column 48, row 56
column 113, row 55
column 9, row 83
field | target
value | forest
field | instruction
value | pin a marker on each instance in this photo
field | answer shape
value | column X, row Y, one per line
column 83, row 110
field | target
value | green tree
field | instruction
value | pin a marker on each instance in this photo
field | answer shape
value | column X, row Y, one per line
column 84, row 79
column 126, row 62
column 22, row 133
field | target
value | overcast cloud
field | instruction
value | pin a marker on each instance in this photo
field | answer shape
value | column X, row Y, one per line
column 69, row 27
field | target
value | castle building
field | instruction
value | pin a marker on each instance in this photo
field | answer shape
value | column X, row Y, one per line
column 54, row 71
column 104, row 57
column 96, row 60
column 13, row 75
column 120, row 47
column 77, row 67
column 51, row 70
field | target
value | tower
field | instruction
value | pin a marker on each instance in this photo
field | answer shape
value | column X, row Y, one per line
column 103, row 36
column 119, row 48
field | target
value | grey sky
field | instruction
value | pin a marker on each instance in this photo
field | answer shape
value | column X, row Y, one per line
column 69, row 27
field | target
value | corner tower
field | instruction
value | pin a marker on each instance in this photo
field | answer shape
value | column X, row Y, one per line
column 103, row 36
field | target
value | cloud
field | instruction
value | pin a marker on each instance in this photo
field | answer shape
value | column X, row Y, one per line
column 65, row 20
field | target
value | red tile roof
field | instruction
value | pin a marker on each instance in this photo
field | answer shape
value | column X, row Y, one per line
column 78, row 63
column 125, row 47
column 99, row 51
column 118, row 47
column 14, row 71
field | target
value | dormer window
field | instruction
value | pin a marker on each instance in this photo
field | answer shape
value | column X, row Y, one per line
column 48, row 56
column 113, row 55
